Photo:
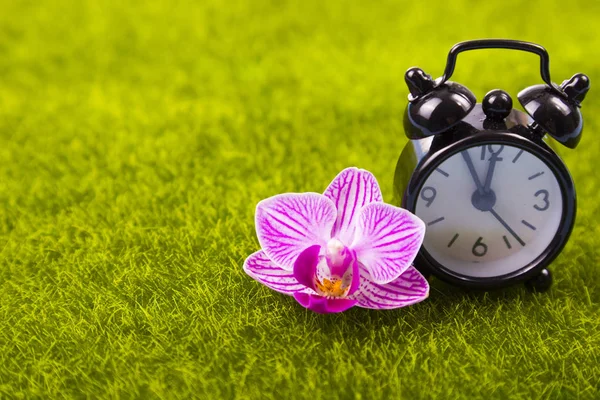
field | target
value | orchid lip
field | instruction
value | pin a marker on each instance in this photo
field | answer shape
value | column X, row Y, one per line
column 323, row 305
column 335, row 274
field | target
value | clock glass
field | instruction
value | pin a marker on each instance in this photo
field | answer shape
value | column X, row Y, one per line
column 490, row 210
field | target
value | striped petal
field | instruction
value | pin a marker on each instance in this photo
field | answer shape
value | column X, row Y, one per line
column 352, row 189
column 387, row 240
column 260, row 268
column 411, row 287
column 287, row 224
column 323, row 305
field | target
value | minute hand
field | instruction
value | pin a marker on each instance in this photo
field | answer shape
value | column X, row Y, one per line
column 508, row 228
column 490, row 173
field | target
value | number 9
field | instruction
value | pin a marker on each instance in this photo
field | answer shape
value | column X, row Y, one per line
column 428, row 198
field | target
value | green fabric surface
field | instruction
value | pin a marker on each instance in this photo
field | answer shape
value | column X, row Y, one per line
column 136, row 139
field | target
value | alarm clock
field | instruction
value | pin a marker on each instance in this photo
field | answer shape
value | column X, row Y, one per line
column 498, row 202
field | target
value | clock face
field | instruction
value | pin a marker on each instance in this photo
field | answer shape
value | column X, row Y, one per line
column 490, row 210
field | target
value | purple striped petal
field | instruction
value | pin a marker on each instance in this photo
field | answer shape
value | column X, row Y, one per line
column 411, row 287
column 387, row 240
column 352, row 189
column 323, row 305
column 287, row 224
column 259, row 267
column 305, row 267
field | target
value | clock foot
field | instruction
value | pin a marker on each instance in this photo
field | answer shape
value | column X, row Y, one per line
column 541, row 282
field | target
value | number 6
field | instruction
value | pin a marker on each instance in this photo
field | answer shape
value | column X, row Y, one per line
column 481, row 246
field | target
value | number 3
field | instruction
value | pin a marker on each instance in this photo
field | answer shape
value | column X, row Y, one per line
column 545, row 200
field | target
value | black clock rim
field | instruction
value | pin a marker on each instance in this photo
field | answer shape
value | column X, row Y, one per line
column 426, row 262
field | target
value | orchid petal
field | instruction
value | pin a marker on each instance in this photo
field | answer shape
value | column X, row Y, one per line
column 305, row 267
column 411, row 287
column 387, row 240
column 287, row 224
column 262, row 269
column 351, row 189
column 323, row 305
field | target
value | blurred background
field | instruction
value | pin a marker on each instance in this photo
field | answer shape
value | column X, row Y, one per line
column 230, row 81
column 136, row 138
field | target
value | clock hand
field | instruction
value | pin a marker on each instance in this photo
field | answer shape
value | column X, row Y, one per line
column 472, row 171
column 508, row 228
column 490, row 173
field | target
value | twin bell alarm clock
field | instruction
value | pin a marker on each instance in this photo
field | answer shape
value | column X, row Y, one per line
column 498, row 202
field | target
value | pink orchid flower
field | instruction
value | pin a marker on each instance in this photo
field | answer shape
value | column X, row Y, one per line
column 339, row 249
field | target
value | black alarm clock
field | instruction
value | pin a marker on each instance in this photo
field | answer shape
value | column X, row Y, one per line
column 498, row 202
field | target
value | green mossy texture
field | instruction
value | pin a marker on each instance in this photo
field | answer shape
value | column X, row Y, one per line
column 137, row 137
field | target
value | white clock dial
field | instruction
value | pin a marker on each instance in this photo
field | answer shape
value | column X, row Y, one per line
column 490, row 210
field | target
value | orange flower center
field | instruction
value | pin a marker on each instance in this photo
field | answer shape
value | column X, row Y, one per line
column 331, row 288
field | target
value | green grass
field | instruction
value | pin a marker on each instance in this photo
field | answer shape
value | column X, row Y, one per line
column 136, row 139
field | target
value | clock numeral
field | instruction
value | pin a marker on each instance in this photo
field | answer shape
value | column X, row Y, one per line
column 479, row 248
column 546, row 205
column 494, row 153
column 428, row 194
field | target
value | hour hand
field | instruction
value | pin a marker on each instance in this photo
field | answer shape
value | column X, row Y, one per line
column 469, row 162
